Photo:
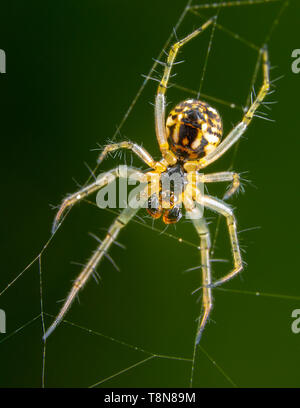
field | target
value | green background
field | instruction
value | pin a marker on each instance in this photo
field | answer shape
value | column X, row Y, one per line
column 72, row 70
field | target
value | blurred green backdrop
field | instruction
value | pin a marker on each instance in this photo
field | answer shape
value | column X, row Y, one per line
column 73, row 68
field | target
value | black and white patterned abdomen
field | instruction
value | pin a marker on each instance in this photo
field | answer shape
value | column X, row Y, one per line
column 194, row 129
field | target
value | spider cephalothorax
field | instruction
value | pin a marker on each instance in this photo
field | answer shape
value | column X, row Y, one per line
column 194, row 129
column 166, row 202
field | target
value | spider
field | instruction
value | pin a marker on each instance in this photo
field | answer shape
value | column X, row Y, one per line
column 189, row 140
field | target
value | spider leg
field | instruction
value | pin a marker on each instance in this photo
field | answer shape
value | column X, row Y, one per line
column 241, row 127
column 135, row 148
column 207, row 300
column 120, row 222
column 160, row 103
column 102, row 180
column 220, row 177
column 222, row 208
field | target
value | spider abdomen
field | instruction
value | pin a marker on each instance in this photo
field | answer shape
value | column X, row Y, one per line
column 194, row 129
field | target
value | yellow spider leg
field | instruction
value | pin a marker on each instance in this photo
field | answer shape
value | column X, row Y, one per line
column 160, row 103
column 241, row 127
column 263, row 90
column 101, row 181
column 222, row 208
column 192, row 194
column 120, row 222
column 207, row 300
column 138, row 150
column 220, row 177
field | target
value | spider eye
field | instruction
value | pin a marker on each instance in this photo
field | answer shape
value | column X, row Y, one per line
column 173, row 215
column 194, row 129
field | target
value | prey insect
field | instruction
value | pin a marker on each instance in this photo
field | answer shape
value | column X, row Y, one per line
column 189, row 141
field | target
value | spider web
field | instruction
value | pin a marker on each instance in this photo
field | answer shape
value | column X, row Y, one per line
column 128, row 360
